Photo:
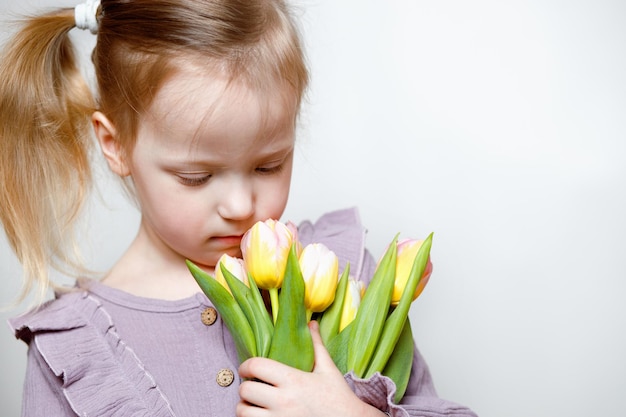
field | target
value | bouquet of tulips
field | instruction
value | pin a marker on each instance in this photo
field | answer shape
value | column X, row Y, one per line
column 365, row 330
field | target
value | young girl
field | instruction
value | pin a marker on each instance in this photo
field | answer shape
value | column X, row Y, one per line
column 196, row 107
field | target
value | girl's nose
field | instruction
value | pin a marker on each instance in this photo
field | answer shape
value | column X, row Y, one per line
column 237, row 200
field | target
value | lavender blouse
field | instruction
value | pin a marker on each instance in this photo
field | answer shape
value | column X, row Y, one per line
column 102, row 352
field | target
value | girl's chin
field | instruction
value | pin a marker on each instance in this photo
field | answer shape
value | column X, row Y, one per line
column 208, row 263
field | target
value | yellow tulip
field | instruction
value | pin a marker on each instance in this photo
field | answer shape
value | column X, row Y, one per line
column 235, row 266
column 407, row 250
column 351, row 302
column 320, row 271
column 265, row 248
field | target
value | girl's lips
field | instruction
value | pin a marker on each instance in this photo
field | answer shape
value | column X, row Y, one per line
column 228, row 240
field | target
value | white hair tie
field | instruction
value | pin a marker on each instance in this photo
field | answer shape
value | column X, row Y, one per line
column 85, row 15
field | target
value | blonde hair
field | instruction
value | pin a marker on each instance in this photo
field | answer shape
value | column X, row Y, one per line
column 45, row 104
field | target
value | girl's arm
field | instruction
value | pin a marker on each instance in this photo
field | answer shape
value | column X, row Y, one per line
column 43, row 393
column 420, row 398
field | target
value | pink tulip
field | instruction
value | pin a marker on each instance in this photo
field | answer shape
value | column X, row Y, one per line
column 407, row 250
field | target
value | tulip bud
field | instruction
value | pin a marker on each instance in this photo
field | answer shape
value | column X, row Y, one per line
column 396, row 321
column 351, row 302
column 234, row 266
column 265, row 248
column 320, row 271
column 407, row 250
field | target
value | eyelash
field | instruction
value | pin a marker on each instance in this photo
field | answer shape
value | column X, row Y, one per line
column 195, row 181
column 270, row 170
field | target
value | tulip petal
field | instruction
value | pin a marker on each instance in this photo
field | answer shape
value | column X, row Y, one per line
column 320, row 269
column 351, row 302
column 265, row 247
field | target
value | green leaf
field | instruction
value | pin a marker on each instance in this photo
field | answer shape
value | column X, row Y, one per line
column 268, row 324
column 231, row 313
column 370, row 318
column 292, row 343
column 395, row 323
column 244, row 297
column 331, row 318
column 338, row 348
column 400, row 362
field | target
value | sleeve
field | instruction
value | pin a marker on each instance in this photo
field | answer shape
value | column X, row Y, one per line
column 78, row 364
column 43, row 392
column 420, row 398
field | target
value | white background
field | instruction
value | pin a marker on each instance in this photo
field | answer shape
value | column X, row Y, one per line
column 500, row 126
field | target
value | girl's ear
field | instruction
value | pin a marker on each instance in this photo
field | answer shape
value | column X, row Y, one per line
column 111, row 149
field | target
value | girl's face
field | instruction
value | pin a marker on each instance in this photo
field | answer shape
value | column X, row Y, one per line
column 210, row 160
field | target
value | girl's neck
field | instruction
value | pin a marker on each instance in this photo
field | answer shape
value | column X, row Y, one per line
column 144, row 271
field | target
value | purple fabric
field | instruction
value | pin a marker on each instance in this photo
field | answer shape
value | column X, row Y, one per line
column 99, row 351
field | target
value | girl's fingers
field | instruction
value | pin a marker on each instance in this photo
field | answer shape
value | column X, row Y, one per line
column 256, row 393
column 263, row 369
column 323, row 361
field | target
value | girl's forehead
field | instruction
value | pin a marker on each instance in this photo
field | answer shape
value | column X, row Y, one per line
column 195, row 104
column 198, row 94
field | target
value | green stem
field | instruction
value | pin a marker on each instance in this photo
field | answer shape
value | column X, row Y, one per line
column 274, row 300
column 309, row 313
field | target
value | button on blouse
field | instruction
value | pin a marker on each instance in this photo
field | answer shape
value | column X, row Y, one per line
column 208, row 316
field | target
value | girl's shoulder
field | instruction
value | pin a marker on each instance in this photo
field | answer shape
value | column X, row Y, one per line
column 75, row 338
column 343, row 233
column 65, row 312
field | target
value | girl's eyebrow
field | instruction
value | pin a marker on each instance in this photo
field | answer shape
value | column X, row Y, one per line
column 279, row 151
column 193, row 161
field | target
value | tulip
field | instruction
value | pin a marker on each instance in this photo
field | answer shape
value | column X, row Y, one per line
column 407, row 251
column 235, row 266
column 265, row 248
column 351, row 302
column 396, row 322
column 320, row 271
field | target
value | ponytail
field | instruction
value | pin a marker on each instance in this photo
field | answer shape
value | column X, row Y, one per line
column 45, row 147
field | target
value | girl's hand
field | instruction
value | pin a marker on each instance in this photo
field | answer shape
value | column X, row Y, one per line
column 287, row 392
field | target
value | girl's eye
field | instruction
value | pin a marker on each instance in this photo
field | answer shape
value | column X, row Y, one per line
column 193, row 180
column 268, row 170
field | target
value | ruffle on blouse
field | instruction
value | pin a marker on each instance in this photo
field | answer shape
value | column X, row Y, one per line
column 100, row 374
column 379, row 390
